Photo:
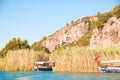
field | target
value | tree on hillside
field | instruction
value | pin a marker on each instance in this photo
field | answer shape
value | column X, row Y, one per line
column 14, row 44
column 38, row 46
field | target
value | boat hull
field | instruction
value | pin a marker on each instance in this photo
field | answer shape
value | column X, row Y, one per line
column 43, row 69
column 110, row 70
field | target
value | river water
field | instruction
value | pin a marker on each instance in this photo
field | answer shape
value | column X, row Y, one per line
column 57, row 76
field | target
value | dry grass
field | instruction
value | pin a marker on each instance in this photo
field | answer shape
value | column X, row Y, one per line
column 2, row 63
column 76, row 59
column 69, row 59
column 19, row 60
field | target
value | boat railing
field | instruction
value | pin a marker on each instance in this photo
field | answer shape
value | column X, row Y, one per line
column 45, row 63
column 111, row 61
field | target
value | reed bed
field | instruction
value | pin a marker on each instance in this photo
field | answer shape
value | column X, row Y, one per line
column 2, row 63
column 19, row 60
column 77, row 59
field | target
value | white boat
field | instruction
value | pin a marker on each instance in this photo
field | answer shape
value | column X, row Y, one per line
column 110, row 66
column 44, row 65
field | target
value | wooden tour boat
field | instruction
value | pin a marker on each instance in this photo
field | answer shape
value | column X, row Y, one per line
column 44, row 65
column 109, row 66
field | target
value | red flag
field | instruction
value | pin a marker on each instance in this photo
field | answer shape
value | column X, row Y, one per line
column 97, row 59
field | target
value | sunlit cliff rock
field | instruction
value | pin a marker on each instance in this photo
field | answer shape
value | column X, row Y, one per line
column 108, row 36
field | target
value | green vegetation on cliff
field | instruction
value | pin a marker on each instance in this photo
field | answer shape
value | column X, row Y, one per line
column 116, row 11
column 42, row 51
column 38, row 46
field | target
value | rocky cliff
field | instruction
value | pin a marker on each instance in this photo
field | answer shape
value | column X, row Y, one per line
column 105, row 29
column 67, row 35
column 108, row 36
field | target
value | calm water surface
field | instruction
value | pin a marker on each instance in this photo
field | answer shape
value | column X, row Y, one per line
column 57, row 76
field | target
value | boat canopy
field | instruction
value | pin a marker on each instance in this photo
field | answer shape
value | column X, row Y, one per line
column 42, row 62
column 110, row 61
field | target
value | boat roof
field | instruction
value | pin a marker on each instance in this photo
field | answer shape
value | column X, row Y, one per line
column 110, row 61
column 42, row 62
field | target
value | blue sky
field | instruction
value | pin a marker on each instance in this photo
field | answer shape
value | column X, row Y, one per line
column 33, row 19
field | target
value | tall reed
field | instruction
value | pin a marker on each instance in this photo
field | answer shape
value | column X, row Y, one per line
column 2, row 63
column 19, row 60
column 77, row 59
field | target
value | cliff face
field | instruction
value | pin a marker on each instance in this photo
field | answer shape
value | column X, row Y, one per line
column 65, row 35
column 108, row 36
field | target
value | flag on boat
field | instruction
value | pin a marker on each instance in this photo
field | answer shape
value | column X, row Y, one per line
column 98, row 58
